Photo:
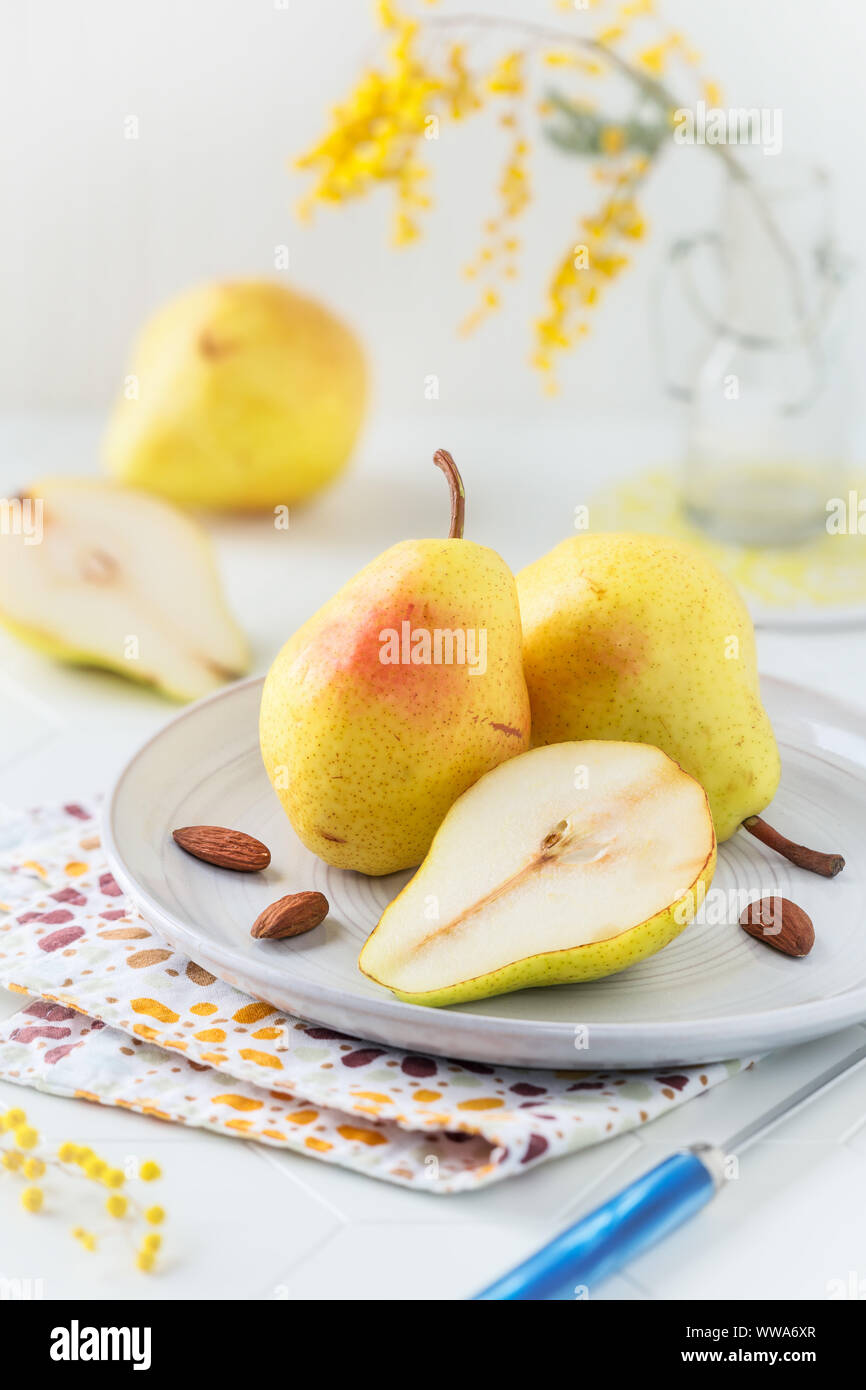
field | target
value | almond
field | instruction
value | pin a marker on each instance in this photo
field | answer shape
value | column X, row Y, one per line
column 291, row 916
column 228, row 849
column 781, row 924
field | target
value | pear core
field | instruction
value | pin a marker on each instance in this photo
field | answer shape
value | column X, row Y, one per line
column 566, row 863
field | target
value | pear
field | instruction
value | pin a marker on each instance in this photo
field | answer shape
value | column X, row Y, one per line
column 641, row 638
column 240, row 395
column 104, row 576
column 569, row 863
column 402, row 691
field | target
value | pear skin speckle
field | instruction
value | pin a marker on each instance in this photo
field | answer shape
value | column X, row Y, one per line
column 640, row 638
column 367, row 756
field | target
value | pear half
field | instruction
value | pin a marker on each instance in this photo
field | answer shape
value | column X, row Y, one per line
column 566, row 863
column 115, row 578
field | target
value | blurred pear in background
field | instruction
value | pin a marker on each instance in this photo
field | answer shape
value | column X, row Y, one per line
column 122, row 581
column 240, row 395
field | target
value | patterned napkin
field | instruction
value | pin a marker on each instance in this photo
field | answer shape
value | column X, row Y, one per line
column 118, row 1017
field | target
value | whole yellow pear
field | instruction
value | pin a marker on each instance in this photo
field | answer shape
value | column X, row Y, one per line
column 367, row 738
column 240, row 395
column 640, row 638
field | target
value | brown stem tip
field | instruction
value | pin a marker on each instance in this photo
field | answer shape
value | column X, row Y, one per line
column 443, row 460
column 828, row 865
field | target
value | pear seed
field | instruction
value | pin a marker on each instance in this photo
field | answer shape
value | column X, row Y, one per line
column 555, row 835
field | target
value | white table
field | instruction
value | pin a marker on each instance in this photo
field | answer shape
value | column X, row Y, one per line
column 249, row 1222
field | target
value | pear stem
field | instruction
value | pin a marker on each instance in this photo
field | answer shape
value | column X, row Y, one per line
column 828, row 865
column 443, row 460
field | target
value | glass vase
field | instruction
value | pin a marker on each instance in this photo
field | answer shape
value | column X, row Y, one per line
column 767, row 396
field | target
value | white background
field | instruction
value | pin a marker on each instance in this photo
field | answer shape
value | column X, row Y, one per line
column 98, row 229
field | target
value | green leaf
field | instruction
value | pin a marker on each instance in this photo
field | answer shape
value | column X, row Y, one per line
column 582, row 132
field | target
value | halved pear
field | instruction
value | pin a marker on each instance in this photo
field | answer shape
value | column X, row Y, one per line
column 107, row 576
column 566, row 863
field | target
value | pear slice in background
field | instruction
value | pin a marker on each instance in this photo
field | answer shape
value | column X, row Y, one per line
column 119, row 579
column 565, row 863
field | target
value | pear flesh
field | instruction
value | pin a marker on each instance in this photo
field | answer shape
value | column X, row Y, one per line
column 120, row 580
column 565, row 864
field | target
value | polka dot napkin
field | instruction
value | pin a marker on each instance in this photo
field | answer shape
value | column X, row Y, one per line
column 114, row 1015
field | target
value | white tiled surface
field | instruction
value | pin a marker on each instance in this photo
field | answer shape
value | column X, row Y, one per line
column 252, row 1223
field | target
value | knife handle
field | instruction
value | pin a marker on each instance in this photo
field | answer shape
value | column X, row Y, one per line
column 572, row 1264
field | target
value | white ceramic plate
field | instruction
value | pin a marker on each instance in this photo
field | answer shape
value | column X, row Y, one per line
column 714, row 993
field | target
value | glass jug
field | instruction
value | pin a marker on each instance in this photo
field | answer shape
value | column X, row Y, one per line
column 768, row 402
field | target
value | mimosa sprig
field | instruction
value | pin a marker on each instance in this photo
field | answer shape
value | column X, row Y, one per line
column 23, row 1157
column 426, row 76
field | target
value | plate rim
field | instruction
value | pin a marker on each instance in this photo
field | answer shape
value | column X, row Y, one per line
column 808, row 1018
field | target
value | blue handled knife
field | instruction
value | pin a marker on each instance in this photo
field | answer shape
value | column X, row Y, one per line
column 646, row 1211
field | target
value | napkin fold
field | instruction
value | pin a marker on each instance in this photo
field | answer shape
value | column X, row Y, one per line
column 115, row 1015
